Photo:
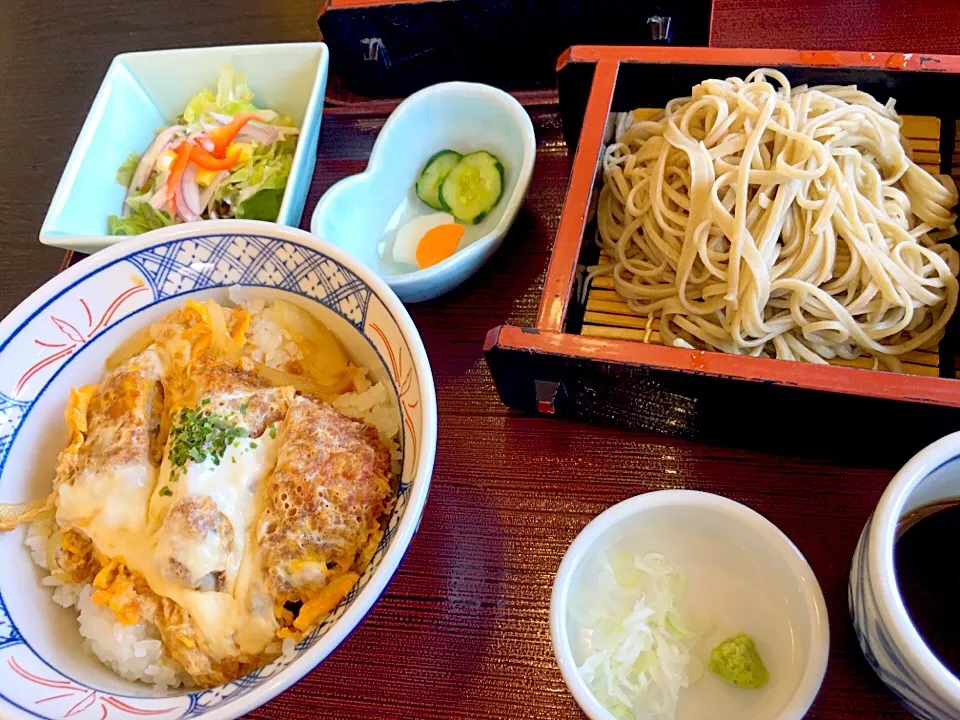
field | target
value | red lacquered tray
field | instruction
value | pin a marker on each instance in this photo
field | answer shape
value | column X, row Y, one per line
column 562, row 365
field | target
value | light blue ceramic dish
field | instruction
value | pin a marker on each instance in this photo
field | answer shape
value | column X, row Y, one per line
column 361, row 213
column 144, row 91
column 887, row 636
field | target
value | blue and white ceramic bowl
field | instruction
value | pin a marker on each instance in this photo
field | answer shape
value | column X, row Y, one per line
column 144, row 91
column 888, row 638
column 60, row 336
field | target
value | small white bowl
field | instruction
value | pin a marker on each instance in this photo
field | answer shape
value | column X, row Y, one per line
column 361, row 213
column 888, row 638
column 742, row 575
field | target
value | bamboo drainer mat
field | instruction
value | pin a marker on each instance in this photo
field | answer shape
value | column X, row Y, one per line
column 607, row 315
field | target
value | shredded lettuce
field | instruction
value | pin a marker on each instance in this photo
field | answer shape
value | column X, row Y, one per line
column 141, row 219
column 640, row 654
column 203, row 101
column 264, row 205
column 125, row 172
column 252, row 189
column 135, row 200
column 233, row 96
column 255, row 188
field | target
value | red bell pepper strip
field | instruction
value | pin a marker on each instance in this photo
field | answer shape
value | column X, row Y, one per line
column 223, row 136
column 179, row 164
column 208, row 161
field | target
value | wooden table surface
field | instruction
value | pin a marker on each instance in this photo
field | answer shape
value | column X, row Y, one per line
column 462, row 630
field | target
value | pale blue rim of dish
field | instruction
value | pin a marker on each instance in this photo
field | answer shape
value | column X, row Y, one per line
column 383, row 549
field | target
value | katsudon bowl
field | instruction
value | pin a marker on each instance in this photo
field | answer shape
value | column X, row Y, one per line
column 59, row 338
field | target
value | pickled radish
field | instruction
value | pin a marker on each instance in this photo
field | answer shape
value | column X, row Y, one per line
column 438, row 244
column 427, row 240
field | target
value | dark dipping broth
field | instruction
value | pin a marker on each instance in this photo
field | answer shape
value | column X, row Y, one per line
column 928, row 581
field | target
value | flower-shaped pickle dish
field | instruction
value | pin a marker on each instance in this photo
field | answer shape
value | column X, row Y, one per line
column 362, row 213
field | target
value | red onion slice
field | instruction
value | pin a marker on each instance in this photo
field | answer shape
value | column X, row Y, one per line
column 149, row 159
column 188, row 202
column 264, row 134
column 206, row 197
column 263, row 124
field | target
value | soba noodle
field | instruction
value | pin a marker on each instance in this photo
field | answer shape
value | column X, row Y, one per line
column 760, row 219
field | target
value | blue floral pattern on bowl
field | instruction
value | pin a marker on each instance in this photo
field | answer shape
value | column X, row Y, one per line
column 879, row 648
column 156, row 273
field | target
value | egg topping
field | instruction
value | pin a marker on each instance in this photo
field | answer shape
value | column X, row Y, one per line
column 173, row 498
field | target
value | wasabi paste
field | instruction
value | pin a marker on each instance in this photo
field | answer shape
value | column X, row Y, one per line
column 737, row 661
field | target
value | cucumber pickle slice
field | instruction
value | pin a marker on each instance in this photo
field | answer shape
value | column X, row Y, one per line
column 434, row 173
column 473, row 187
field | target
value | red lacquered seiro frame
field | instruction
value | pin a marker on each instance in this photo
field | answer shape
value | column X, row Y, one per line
column 528, row 363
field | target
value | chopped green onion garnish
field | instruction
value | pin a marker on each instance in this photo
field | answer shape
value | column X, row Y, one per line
column 198, row 435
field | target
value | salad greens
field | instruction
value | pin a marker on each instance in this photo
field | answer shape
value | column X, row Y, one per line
column 129, row 167
column 141, row 220
column 233, row 96
column 222, row 157
column 257, row 185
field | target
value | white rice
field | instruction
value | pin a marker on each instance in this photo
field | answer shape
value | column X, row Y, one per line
column 66, row 594
column 135, row 652
column 269, row 343
column 37, row 534
column 272, row 345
